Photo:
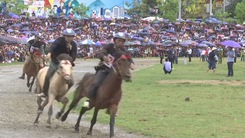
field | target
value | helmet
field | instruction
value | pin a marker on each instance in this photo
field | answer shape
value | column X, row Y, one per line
column 39, row 35
column 119, row 35
column 69, row 32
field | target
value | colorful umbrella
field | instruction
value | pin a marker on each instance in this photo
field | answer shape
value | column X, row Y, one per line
column 202, row 45
column 187, row 43
column 231, row 43
column 87, row 42
column 97, row 43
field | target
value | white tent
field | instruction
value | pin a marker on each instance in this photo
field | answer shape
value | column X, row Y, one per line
column 152, row 18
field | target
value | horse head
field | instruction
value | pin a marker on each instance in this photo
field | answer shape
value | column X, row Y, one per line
column 122, row 67
column 37, row 59
column 65, row 70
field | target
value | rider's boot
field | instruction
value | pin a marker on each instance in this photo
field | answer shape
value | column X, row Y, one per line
column 92, row 91
column 91, row 95
column 22, row 76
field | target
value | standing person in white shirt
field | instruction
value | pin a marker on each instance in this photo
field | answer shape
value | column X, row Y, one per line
column 91, row 52
column 167, row 66
column 230, row 60
column 189, row 52
column 203, row 56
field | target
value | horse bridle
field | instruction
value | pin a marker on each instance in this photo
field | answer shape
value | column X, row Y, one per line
column 57, row 71
column 33, row 61
column 117, row 71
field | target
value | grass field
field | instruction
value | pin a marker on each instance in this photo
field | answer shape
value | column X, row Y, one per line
column 11, row 64
column 154, row 103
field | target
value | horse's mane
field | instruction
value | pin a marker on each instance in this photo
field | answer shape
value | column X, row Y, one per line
column 65, row 57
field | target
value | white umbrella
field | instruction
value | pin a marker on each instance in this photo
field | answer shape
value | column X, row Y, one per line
column 87, row 42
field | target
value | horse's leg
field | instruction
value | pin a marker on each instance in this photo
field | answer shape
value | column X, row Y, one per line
column 93, row 121
column 50, row 109
column 64, row 101
column 28, row 81
column 39, row 110
column 82, row 111
column 113, row 112
column 72, row 105
column 40, row 107
column 44, row 103
column 32, row 82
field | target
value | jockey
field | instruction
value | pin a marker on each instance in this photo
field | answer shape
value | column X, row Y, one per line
column 32, row 46
column 115, row 51
column 62, row 45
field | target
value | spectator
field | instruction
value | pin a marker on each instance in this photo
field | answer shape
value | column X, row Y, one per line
column 167, row 66
column 230, row 60
column 189, row 53
column 212, row 60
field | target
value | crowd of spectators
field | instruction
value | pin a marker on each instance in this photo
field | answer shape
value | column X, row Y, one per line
column 145, row 38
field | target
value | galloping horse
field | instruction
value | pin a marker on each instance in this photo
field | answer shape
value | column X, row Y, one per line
column 57, row 90
column 31, row 69
column 108, row 95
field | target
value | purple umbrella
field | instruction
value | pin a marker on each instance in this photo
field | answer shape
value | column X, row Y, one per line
column 15, row 17
column 231, row 43
column 202, row 45
column 187, row 43
column 208, row 43
column 98, row 43
column 10, row 30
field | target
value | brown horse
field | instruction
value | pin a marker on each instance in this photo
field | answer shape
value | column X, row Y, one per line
column 31, row 69
column 108, row 95
column 57, row 90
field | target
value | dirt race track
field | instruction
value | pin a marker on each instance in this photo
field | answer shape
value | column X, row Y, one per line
column 18, row 108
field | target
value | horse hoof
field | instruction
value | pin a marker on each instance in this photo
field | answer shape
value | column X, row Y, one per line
column 36, row 123
column 89, row 133
column 63, row 118
column 48, row 126
column 58, row 115
column 49, row 122
column 76, row 129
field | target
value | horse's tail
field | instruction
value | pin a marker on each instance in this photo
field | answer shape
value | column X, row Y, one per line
column 79, row 91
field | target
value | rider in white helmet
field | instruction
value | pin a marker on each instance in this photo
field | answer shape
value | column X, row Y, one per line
column 32, row 46
column 62, row 45
column 114, row 51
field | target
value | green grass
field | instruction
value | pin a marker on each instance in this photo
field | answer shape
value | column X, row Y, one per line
column 11, row 64
column 154, row 104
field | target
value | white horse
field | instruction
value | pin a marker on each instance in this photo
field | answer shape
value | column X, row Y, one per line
column 57, row 89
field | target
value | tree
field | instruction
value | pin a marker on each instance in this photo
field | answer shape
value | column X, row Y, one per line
column 16, row 6
column 194, row 8
column 240, row 12
column 142, row 8
column 231, row 8
column 135, row 9
column 81, row 10
column 169, row 9
column 150, row 3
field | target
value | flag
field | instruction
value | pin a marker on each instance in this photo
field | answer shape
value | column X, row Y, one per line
column 51, row 2
column 47, row 4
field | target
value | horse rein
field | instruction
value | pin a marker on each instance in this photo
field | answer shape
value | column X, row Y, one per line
column 33, row 61
column 117, row 71
column 63, row 75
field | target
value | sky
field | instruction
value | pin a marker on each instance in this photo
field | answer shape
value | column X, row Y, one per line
column 108, row 3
